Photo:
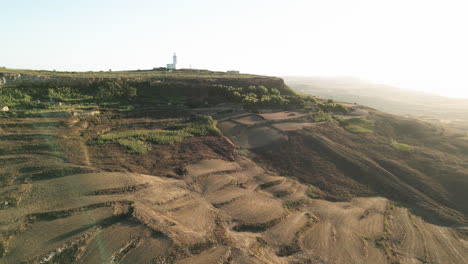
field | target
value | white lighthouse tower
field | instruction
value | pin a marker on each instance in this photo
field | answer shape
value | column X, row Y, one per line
column 174, row 63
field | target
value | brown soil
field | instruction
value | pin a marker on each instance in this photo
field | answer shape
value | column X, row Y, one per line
column 306, row 196
column 162, row 160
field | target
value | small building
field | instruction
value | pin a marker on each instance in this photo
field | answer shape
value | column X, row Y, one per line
column 173, row 65
column 232, row 72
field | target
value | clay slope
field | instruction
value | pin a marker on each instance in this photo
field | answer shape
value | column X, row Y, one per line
column 205, row 200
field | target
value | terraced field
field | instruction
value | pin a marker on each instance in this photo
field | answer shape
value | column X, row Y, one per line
column 203, row 200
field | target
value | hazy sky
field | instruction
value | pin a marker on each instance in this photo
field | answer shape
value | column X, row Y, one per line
column 417, row 44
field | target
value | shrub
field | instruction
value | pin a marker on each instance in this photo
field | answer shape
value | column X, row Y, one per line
column 321, row 116
column 357, row 129
column 402, row 147
column 254, row 97
column 114, row 90
column 274, row 91
column 261, row 241
column 261, row 91
column 293, row 204
column 13, row 96
column 358, row 125
column 333, row 107
column 294, row 102
column 288, row 250
column 313, row 192
column 61, row 93
column 252, row 89
column 161, row 137
column 203, row 126
column 134, row 145
column 250, row 101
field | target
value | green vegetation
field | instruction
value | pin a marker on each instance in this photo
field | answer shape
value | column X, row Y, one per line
column 62, row 94
column 157, row 87
column 402, row 147
column 116, row 90
column 313, row 192
column 160, row 137
column 364, row 215
column 134, row 146
column 288, row 250
column 363, row 237
column 269, row 184
column 261, row 241
column 136, row 141
column 358, row 125
column 255, row 97
column 42, row 95
column 293, row 204
column 256, row 227
column 332, row 107
column 201, row 246
column 322, row 116
column 155, row 73
column 189, row 87
column 200, row 126
column 13, row 96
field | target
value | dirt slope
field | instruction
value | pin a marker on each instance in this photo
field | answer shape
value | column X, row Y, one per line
column 205, row 200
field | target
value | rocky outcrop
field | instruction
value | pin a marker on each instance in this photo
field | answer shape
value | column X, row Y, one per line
column 17, row 79
column 7, row 79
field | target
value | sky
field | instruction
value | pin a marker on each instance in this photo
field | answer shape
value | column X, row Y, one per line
column 413, row 44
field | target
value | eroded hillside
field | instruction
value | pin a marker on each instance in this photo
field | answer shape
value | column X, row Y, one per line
column 139, row 183
column 203, row 200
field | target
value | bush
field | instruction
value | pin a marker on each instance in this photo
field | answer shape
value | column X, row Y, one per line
column 134, row 146
column 274, row 91
column 114, row 90
column 332, row 107
column 203, row 126
column 288, row 250
column 254, row 97
column 358, row 125
column 401, row 147
column 357, row 129
column 294, row 102
column 313, row 192
column 250, row 101
column 321, row 116
column 261, row 91
column 293, row 204
column 13, row 96
column 61, row 93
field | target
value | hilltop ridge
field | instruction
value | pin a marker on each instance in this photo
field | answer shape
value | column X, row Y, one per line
column 15, row 77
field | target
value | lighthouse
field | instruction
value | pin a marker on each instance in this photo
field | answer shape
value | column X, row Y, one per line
column 174, row 63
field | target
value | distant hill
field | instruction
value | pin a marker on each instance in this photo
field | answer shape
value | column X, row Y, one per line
column 383, row 97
